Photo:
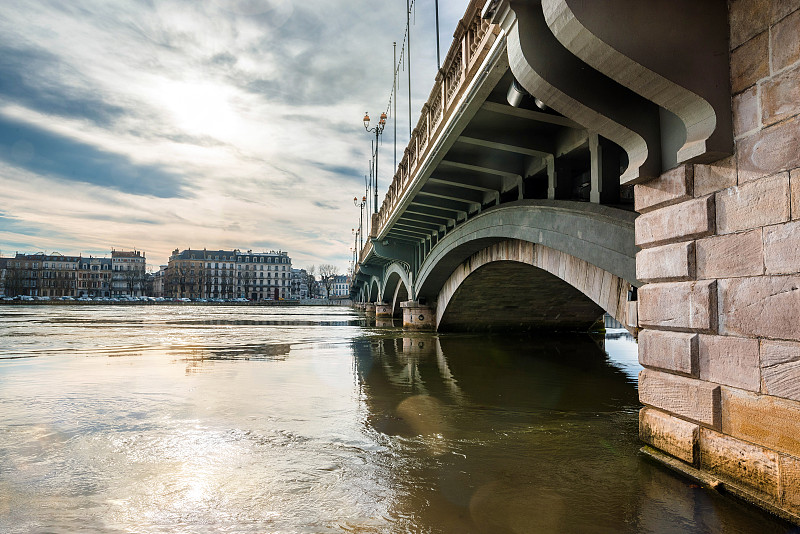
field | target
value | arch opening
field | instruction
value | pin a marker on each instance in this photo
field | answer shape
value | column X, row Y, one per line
column 515, row 296
column 373, row 291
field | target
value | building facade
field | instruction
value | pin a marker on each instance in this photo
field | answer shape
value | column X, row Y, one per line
column 228, row 274
column 340, row 288
column 128, row 273
column 94, row 277
column 299, row 284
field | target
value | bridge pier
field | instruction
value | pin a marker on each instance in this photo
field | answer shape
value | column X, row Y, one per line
column 369, row 307
column 383, row 310
column 418, row 316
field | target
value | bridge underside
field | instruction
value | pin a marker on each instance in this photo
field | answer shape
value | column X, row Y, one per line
column 511, row 296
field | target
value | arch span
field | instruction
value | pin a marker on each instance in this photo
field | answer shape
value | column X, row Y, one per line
column 519, row 285
column 396, row 280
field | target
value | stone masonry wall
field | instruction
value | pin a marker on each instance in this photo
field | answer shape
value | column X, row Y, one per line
column 720, row 256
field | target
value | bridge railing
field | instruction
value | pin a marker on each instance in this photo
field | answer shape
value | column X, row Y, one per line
column 472, row 41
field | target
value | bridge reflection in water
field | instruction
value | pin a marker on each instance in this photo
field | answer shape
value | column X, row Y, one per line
column 499, row 434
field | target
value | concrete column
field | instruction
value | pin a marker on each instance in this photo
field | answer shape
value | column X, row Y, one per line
column 559, row 180
column 418, row 316
column 604, row 170
column 383, row 310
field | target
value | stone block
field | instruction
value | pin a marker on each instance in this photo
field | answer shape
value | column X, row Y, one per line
column 674, row 262
column 790, row 483
column 753, row 204
column 417, row 316
column 732, row 361
column 780, row 96
column 687, row 397
column 668, row 433
column 761, row 419
column 712, row 178
column 671, row 187
column 763, row 306
column 795, row 194
column 745, row 464
column 750, row 62
column 679, row 305
column 769, row 151
column 785, row 41
column 782, row 8
column 781, row 246
column 673, row 351
column 747, row 18
column 729, row 256
column 681, row 222
column 746, row 111
column 780, row 369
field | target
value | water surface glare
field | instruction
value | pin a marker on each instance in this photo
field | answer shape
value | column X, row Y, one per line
column 310, row 419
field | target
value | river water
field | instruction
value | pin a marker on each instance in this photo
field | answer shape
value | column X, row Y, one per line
column 311, row 419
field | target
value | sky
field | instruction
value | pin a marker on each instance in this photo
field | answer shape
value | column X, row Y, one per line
column 220, row 124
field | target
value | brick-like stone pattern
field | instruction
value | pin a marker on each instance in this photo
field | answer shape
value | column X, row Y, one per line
column 669, row 434
column 681, row 222
column 673, row 262
column 720, row 338
column 733, row 459
column 679, row 305
column 672, row 351
column 729, row 256
column 687, row 397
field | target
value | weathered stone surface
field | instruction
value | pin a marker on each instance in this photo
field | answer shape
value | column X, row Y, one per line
column 749, row 62
column 746, row 111
column 671, row 187
column 747, row 18
column 782, row 8
column 754, row 204
column 673, row 351
column 728, row 360
column 763, row 306
column 790, row 482
column 768, row 151
column 748, row 465
column 729, row 256
column 782, row 248
column 712, row 178
column 668, row 433
column 785, row 41
column 687, row 397
column 780, row 369
column 682, row 222
column 795, row 187
column 417, row 316
column 780, row 96
column 762, row 419
column 673, row 262
column 679, row 305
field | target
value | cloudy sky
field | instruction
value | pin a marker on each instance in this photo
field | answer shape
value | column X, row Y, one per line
column 163, row 124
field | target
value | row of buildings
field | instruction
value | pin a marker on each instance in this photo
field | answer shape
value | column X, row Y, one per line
column 190, row 273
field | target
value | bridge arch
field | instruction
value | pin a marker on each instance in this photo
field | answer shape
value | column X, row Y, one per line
column 396, row 287
column 374, row 292
column 520, row 285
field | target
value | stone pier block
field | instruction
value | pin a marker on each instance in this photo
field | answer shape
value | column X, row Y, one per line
column 681, row 222
column 679, row 305
column 763, row 306
column 672, row 187
column 673, row 351
column 781, row 246
column 754, row 204
column 383, row 310
column 712, row 178
column 747, row 62
column 748, row 465
column 795, row 187
column 773, row 149
column 669, row 434
column 675, row 262
column 761, row 419
column 728, row 360
column 780, row 369
column 687, row 397
column 370, row 308
column 417, row 316
column 780, row 96
column 729, row 256
column 790, row 483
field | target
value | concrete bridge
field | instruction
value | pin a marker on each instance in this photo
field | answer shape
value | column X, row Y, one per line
column 635, row 158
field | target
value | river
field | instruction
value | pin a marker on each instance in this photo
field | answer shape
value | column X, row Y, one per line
column 311, row 419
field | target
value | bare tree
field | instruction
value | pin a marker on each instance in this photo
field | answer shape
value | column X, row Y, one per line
column 327, row 275
column 311, row 280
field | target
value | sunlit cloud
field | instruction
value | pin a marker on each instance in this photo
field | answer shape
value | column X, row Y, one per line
column 176, row 124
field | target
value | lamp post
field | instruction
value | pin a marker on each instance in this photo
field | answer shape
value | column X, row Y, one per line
column 378, row 129
column 361, row 205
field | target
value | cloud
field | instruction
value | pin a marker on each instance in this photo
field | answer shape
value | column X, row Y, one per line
column 232, row 123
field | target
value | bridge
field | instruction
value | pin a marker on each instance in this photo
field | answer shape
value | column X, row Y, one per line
column 640, row 159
